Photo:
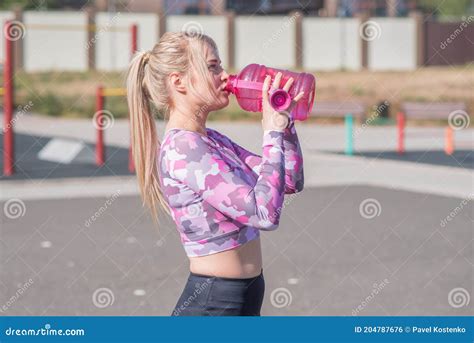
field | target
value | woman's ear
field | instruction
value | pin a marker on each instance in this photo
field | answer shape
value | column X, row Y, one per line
column 177, row 82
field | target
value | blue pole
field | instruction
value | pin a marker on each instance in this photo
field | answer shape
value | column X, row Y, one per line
column 349, row 123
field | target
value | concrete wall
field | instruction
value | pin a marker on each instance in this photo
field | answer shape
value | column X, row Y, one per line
column 395, row 47
column 328, row 43
column 113, row 38
column 265, row 40
column 331, row 44
column 214, row 26
column 4, row 16
column 57, row 48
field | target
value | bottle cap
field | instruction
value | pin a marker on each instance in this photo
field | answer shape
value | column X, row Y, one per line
column 280, row 99
column 230, row 86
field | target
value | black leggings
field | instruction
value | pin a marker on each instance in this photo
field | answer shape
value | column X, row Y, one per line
column 206, row 295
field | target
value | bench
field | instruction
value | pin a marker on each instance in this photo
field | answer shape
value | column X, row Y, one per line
column 431, row 110
column 337, row 109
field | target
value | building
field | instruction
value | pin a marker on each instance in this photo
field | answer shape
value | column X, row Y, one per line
column 331, row 8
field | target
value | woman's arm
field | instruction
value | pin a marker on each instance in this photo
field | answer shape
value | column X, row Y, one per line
column 294, row 174
column 191, row 161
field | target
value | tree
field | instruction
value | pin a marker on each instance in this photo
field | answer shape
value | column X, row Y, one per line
column 30, row 4
column 446, row 7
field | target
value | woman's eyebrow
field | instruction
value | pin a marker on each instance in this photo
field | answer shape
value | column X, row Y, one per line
column 214, row 60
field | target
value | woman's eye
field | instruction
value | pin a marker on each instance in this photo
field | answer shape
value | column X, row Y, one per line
column 215, row 67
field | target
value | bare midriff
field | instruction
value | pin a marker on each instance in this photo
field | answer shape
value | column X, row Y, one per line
column 242, row 262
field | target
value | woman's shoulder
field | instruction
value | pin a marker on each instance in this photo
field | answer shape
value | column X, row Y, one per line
column 214, row 138
column 220, row 137
column 185, row 139
column 174, row 135
column 185, row 142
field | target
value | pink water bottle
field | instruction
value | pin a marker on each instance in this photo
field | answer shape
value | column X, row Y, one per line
column 247, row 87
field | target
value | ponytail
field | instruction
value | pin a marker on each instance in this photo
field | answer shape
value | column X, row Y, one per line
column 144, row 140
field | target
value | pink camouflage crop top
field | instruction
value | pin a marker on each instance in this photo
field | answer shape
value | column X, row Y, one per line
column 221, row 195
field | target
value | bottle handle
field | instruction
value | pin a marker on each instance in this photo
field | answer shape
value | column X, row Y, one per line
column 279, row 98
column 234, row 83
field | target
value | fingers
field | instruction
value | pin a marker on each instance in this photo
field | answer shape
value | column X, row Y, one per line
column 277, row 80
column 276, row 85
column 288, row 84
column 295, row 100
column 298, row 97
column 266, row 86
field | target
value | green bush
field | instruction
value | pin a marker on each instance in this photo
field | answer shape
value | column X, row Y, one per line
column 50, row 104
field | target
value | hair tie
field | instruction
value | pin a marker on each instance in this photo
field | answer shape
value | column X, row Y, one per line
column 146, row 57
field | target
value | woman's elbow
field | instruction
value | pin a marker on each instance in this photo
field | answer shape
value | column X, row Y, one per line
column 299, row 185
column 295, row 188
column 269, row 224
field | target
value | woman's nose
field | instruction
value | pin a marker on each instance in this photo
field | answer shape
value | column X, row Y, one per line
column 224, row 76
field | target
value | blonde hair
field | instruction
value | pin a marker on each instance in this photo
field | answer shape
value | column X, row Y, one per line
column 147, row 80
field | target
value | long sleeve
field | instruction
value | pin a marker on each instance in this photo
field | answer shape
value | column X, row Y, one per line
column 194, row 163
column 294, row 174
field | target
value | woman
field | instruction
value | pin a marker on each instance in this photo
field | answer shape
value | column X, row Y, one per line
column 219, row 194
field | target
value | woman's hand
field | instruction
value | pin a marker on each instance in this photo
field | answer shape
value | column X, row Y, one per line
column 272, row 119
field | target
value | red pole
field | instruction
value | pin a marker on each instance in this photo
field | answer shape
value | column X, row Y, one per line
column 134, row 37
column 134, row 48
column 449, row 141
column 8, row 144
column 401, row 133
column 99, row 145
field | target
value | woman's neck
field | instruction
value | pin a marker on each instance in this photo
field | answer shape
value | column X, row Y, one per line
column 179, row 120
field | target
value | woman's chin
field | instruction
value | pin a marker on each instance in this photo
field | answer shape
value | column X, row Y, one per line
column 222, row 103
column 226, row 101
